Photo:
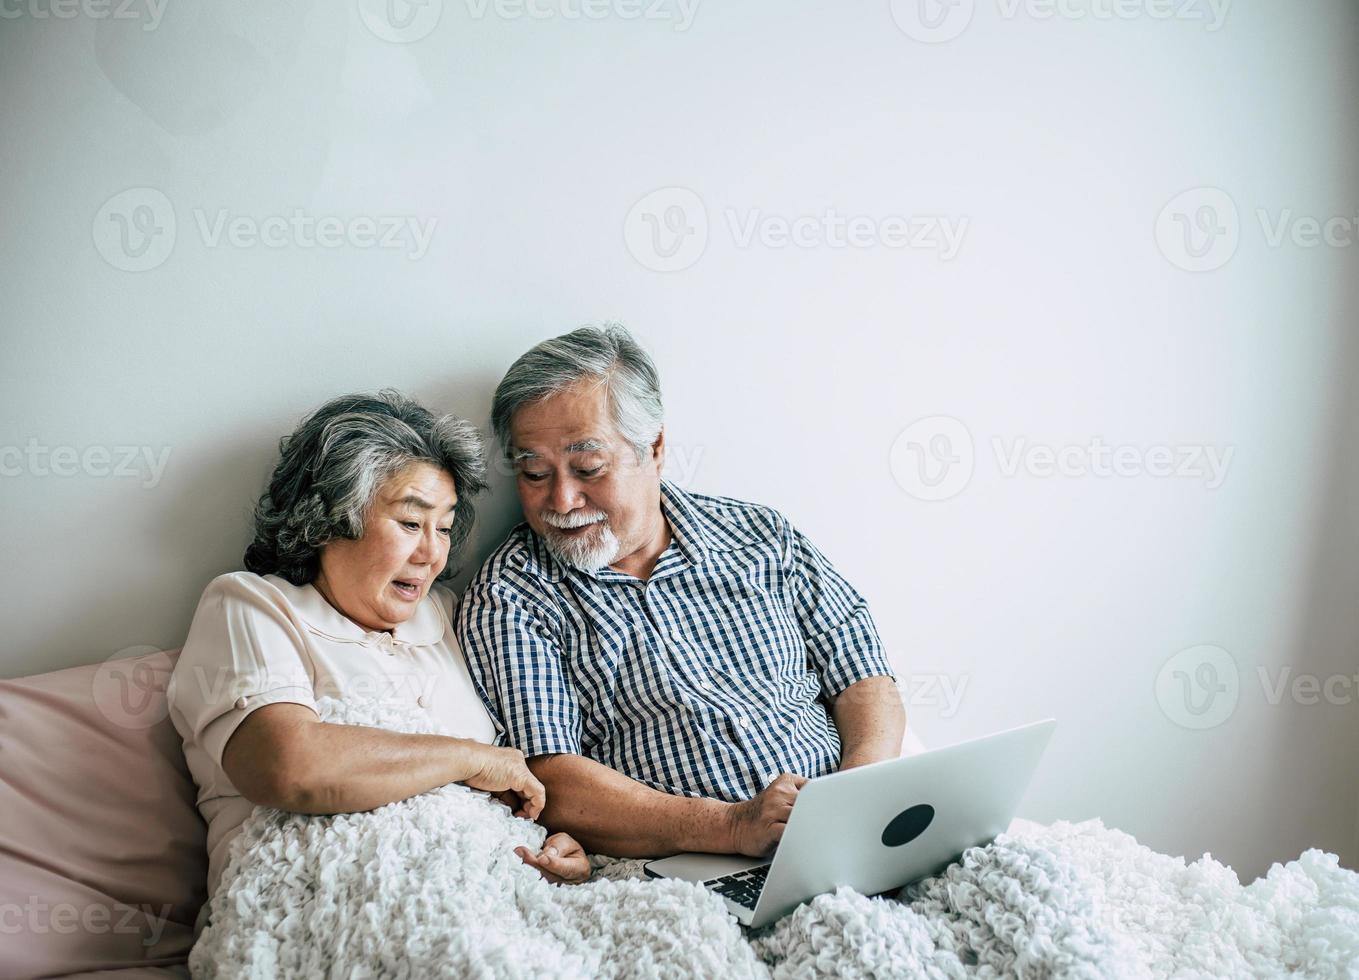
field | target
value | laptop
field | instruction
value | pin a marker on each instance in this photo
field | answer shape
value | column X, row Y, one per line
column 878, row 827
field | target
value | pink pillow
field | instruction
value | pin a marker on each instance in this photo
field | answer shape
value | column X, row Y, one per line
column 102, row 852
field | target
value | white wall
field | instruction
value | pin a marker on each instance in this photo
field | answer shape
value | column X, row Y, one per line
column 790, row 372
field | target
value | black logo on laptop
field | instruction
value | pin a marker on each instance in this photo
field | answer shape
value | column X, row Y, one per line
column 907, row 825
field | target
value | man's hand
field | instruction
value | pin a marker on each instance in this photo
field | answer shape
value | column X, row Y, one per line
column 505, row 774
column 561, row 861
column 757, row 825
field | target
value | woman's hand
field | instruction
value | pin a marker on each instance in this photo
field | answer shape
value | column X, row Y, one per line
column 561, row 861
column 504, row 774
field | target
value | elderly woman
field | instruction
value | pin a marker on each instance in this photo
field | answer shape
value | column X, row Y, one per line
column 368, row 500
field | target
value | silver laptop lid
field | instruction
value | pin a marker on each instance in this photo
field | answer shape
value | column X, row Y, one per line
column 879, row 827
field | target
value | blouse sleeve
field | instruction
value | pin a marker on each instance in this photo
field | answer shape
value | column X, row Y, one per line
column 245, row 650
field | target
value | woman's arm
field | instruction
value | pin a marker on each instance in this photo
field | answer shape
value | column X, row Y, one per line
column 283, row 756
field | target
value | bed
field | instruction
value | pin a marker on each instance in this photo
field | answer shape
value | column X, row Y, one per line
column 102, row 870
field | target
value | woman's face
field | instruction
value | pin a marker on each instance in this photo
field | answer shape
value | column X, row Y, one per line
column 379, row 580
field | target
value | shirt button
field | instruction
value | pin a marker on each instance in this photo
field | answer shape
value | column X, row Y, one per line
column 241, row 702
column 422, row 701
column 743, row 721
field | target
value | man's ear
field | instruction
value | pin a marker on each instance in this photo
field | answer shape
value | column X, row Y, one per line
column 658, row 450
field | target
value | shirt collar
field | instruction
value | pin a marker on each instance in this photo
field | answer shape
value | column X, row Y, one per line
column 425, row 628
column 535, row 558
column 693, row 533
column 686, row 530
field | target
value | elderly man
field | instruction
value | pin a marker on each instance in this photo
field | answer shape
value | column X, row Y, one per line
column 674, row 666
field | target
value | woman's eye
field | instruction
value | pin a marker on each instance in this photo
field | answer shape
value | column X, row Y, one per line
column 413, row 525
column 446, row 531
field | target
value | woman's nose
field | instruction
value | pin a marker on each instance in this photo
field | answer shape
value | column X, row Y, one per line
column 426, row 548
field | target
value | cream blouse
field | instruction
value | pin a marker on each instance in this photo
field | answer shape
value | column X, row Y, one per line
column 258, row 640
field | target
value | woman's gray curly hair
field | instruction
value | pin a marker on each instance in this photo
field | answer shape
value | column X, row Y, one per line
column 333, row 465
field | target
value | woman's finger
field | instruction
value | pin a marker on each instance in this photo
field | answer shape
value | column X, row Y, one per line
column 533, row 795
column 518, row 803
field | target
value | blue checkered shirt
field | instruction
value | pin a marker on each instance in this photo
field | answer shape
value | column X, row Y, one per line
column 707, row 679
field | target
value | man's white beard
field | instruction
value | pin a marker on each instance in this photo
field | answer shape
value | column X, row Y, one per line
column 589, row 552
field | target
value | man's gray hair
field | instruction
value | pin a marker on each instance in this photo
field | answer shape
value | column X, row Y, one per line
column 607, row 355
column 333, row 465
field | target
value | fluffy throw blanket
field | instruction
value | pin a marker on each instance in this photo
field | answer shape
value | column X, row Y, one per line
column 431, row 887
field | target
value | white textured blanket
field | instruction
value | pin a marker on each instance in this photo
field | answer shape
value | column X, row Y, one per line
column 431, row 887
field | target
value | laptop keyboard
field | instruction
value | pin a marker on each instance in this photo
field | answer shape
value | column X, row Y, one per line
column 743, row 888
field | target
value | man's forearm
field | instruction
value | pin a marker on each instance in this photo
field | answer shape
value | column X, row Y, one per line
column 871, row 721
column 612, row 814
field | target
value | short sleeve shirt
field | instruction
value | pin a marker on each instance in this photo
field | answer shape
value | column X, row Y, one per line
column 259, row 640
column 707, row 679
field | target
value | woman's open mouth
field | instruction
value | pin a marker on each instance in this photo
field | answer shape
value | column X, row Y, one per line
column 406, row 590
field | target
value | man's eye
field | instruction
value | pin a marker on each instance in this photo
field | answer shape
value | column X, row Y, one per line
column 590, row 472
column 534, row 477
column 413, row 525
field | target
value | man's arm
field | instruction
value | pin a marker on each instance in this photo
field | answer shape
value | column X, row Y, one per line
column 844, row 647
column 512, row 642
column 612, row 814
column 871, row 721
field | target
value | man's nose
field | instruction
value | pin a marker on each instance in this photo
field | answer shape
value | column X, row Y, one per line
column 565, row 495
